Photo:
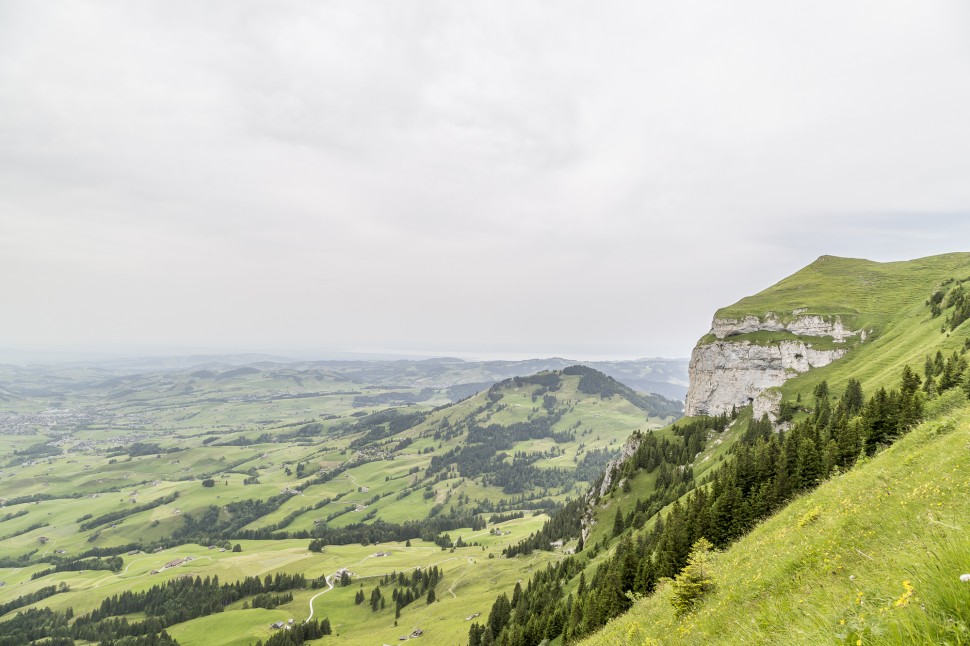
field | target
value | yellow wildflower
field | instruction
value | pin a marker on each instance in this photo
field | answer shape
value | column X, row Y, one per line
column 909, row 592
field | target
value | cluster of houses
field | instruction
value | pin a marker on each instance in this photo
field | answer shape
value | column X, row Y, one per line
column 28, row 423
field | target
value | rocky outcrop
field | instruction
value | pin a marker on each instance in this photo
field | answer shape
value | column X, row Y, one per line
column 726, row 373
column 811, row 325
column 629, row 448
column 609, row 473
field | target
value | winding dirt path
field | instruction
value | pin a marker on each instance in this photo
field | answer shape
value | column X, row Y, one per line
column 451, row 588
column 329, row 581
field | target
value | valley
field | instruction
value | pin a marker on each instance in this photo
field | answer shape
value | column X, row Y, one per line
column 114, row 482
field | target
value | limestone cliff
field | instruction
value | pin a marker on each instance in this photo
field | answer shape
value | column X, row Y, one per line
column 726, row 373
column 812, row 325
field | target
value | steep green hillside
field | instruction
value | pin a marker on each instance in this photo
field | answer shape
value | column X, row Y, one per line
column 867, row 294
column 840, row 419
column 792, row 574
column 873, row 556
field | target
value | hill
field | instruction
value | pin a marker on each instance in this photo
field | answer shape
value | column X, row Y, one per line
column 874, row 554
column 833, row 424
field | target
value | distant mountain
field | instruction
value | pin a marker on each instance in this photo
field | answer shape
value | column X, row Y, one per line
column 451, row 378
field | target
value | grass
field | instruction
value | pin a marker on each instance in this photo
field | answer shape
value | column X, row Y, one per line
column 874, row 554
column 148, row 408
column 770, row 337
column 901, row 517
column 866, row 294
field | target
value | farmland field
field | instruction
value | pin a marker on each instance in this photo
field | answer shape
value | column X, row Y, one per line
column 115, row 483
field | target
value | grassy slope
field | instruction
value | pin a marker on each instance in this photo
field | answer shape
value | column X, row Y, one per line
column 889, row 298
column 778, row 577
column 867, row 294
column 900, row 517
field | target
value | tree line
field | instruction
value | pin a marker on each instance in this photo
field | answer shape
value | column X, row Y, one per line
column 768, row 469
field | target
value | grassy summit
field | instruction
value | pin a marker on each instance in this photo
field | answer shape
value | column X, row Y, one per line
column 866, row 294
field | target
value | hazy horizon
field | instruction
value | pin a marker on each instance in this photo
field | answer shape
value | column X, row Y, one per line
column 26, row 356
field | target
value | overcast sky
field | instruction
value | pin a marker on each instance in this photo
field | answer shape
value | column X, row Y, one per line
column 485, row 179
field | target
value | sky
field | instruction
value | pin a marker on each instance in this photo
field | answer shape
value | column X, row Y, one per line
column 497, row 179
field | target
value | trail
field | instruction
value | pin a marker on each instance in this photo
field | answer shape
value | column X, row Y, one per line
column 451, row 588
column 313, row 598
column 130, row 563
column 329, row 579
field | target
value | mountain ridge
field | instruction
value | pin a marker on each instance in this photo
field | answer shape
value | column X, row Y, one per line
column 827, row 424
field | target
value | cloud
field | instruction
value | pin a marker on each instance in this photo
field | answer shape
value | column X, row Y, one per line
column 521, row 177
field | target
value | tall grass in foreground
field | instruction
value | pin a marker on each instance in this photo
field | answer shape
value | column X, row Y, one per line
column 873, row 556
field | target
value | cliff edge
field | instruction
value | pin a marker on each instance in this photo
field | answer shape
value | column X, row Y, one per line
column 741, row 359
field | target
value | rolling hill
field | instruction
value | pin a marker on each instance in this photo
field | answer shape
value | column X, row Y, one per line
column 119, row 484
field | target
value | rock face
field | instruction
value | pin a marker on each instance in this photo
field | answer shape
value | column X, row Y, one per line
column 594, row 495
column 813, row 325
column 728, row 373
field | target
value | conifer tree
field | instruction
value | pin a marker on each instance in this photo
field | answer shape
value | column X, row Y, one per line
column 695, row 580
column 618, row 523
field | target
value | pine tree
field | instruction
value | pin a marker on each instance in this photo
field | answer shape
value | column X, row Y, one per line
column 618, row 523
column 809, row 465
column 821, row 390
column 475, row 635
column 499, row 616
column 694, row 581
column 911, row 400
column 852, row 398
